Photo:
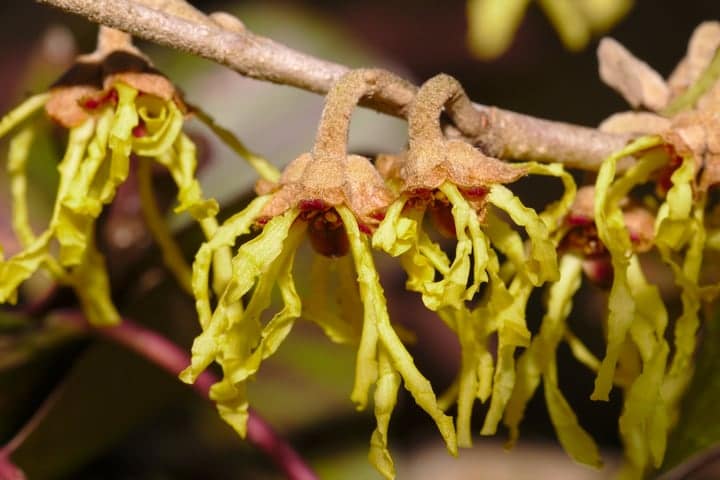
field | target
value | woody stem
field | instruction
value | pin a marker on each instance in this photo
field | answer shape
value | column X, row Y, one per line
column 341, row 100
column 439, row 92
column 504, row 134
column 165, row 354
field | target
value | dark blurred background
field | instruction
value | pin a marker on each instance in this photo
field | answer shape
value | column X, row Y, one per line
column 119, row 418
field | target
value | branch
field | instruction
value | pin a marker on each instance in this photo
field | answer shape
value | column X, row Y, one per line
column 176, row 24
column 171, row 358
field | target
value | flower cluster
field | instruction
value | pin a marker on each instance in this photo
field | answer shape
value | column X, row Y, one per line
column 503, row 250
column 116, row 107
column 118, row 111
column 344, row 205
column 492, row 24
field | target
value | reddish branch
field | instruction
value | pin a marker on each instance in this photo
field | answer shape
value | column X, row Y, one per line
column 219, row 38
column 162, row 352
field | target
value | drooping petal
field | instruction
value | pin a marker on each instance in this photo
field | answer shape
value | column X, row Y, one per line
column 535, row 362
column 512, row 333
column 272, row 334
column 22, row 112
column 613, row 233
column 16, row 167
column 81, row 203
column 542, row 264
column 92, row 286
column 386, row 391
column 225, row 236
column 574, row 439
column 21, row 266
column 471, row 250
column 396, row 233
column 253, row 259
column 375, row 310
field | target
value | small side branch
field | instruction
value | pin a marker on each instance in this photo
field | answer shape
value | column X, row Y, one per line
column 176, row 24
column 162, row 352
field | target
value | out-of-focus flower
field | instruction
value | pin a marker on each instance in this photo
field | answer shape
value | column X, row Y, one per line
column 464, row 192
column 680, row 155
column 114, row 106
column 337, row 200
column 492, row 23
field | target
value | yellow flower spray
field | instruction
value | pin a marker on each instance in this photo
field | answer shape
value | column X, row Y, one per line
column 336, row 199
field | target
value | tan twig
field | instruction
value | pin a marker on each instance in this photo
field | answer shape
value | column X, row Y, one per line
column 176, row 24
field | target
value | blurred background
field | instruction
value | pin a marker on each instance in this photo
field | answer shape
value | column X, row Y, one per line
column 120, row 418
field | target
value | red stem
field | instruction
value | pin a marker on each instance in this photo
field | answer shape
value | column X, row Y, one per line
column 165, row 354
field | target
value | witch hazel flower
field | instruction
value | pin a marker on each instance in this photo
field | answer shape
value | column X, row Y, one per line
column 96, row 102
column 463, row 191
column 680, row 154
column 336, row 200
column 116, row 108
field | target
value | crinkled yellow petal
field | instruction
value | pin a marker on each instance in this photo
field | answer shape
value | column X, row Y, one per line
column 255, row 256
column 473, row 328
column 386, row 390
column 688, row 323
column 232, row 404
column 424, row 258
column 553, row 215
column 225, row 236
column 253, row 259
column 471, row 350
column 22, row 112
column 512, row 333
column 648, row 326
column 539, row 361
column 613, row 233
column 264, row 169
column 163, row 123
column 396, row 233
column 277, row 329
column 583, row 355
column 644, row 422
column 505, row 239
column 81, row 203
column 120, row 140
column 455, row 286
column 574, row 439
column 534, row 363
column 674, row 216
column 21, row 266
column 680, row 231
column 92, row 286
column 17, row 161
column 375, row 311
column 542, row 264
column 181, row 161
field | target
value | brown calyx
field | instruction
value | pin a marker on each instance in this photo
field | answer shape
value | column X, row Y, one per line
column 89, row 83
column 432, row 159
column 328, row 174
